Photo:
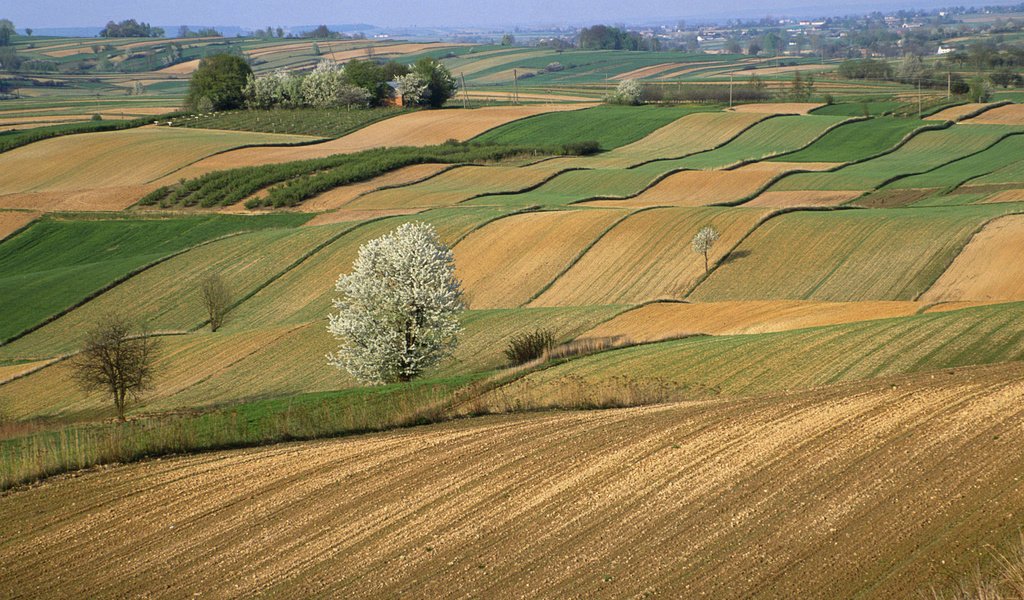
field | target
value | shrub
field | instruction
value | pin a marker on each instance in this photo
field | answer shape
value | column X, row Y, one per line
column 584, row 148
column 527, row 347
column 97, row 117
column 629, row 92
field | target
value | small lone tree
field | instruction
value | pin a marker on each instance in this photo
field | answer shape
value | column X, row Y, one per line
column 116, row 361
column 216, row 299
column 400, row 306
column 704, row 241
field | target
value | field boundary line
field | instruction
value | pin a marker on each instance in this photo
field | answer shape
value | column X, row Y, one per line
column 295, row 264
column 485, row 223
column 116, row 282
column 579, row 256
column 967, row 241
column 760, row 223
column 830, row 129
column 711, row 149
column 635, row 307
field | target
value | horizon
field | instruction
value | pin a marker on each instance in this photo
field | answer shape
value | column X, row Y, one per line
column 406, row 14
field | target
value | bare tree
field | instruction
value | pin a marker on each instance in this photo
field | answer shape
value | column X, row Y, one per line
column 704, row 241
column 116, row 361
column 216, row 299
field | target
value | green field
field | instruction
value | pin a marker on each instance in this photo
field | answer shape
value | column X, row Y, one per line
column 924, row 152
column 774, row 362
column 846, row 255
column 610, row 126
column 855, row 141
column 317, row 122
column 1006, row 154
column 56, row 263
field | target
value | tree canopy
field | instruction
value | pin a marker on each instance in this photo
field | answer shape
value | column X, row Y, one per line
column 220, row 79
column 130, row 28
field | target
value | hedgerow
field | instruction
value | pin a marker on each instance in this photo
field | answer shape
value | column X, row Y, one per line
column 288, row 184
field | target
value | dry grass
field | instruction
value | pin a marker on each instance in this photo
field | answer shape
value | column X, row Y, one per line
column 989, row 268
column 825, row 494
column 507, row 262
column 1016, row 195
column 343, row 215
column 184, row 68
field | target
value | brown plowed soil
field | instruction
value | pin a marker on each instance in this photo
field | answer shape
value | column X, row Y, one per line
column 988, row 269
column 786, row 199
column 956, row 113
column 101, row 199
column 876, row 490
column 420, row 128
column 778, row 108
column 664, row 320
column 11, row 221
column 1010, row 114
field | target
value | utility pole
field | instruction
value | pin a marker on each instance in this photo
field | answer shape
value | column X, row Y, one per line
column 515, row 86
column 465, row 91
column 730, row 89
column 919, row 111
column 949, row 84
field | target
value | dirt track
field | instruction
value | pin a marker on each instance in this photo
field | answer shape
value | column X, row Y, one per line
column 879, row 489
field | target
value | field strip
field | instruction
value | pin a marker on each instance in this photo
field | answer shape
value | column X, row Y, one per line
column 666, row 320
column 419, row 128
column 11, row 222
column 588, row 504
column 987, row 269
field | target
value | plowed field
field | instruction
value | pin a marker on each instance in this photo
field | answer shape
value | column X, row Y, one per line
column 875, row 491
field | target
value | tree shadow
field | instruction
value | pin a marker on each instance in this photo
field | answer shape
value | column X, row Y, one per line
column 734, row 256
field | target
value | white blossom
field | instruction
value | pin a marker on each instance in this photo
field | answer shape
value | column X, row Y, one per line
column 400, row 306
column 703, row 242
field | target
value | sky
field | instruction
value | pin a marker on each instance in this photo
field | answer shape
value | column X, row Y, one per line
column 425, row 13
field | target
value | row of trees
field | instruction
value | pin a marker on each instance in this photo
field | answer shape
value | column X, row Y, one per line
column 603, row 37
column 359, row 83
column 130, row 28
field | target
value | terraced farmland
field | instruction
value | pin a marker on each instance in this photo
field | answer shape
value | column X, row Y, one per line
column 506, row 263
column 892, row 254
column 665, row 320
column 924, row 152
column 1011, row 114
column 802, row 359
column 419, row 128
column 54, row 264
column 802, row 478
column 989, row 268
column 647, row 257
column 856, row 140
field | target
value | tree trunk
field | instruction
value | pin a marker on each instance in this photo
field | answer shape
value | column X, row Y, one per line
column 706, row 262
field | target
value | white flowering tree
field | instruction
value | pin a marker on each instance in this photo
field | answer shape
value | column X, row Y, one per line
column 629, row 91
column 320, row 88
column 399, row 309
column 279, row 89
column 412, row 88
column 704, row 241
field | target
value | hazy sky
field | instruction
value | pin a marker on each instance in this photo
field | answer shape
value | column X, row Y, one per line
column 395, row 13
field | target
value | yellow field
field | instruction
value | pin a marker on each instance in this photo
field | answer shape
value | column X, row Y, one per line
column 955, row 113
column 866, row 490
column 420, row 128
column 648, row 257
column 787, row 199
column 458, row 185
column 505, row 263
column 1011, row 114
column 665, row 320
column 701, row 188
column 116, row 159
column 989, row 269
column 778, row 108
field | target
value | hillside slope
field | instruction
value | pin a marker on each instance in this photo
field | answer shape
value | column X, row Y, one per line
column 878, row 490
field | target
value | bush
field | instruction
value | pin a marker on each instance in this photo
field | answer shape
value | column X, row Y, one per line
column 584, row 148
column 97, row 117
column 527, row 347
column 629, row 92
